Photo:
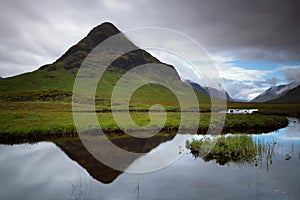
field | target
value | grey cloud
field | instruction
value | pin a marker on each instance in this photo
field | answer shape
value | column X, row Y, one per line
column 293, row 74
column 241, row 89
column 258, row 29
column 267, row 83
column 247, row 29
column 272, row 81
column 34, row 32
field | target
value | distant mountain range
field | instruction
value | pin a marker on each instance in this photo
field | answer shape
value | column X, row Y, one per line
column 281, row 93
column 210, row 91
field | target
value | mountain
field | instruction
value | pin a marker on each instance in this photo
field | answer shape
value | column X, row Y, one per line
column 210, row 91
column 292, row 96
column 60, row 75
column 196, row 86
column 275, row 92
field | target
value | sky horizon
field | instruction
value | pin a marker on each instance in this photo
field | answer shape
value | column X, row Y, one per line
column 254, row 44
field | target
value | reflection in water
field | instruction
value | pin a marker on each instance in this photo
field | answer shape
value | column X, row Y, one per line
column 292, row 132
column 74, row 149
column 44, row 171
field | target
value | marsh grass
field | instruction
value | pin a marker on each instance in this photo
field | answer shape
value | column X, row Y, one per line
column 223, row 149
column 26, row 118
column 234, row 148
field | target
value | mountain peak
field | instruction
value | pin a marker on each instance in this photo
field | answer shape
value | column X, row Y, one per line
column 76, row 54
column 107, row 25
column 105, row 28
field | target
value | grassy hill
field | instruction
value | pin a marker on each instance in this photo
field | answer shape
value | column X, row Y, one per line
column 60, row 74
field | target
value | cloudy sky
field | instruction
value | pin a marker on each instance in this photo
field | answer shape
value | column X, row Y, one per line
column 254, row 44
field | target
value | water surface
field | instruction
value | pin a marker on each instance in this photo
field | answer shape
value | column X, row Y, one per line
column 63, row 169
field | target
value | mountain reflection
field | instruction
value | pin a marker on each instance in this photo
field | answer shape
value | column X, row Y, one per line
column 74, row 149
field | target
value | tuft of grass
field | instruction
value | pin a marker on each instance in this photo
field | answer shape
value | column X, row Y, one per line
column 234, row 148
column 223, row 149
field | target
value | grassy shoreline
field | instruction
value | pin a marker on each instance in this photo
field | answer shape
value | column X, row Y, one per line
column 39, row 120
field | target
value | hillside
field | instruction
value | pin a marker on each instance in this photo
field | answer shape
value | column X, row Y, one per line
column 58, row 77
column 60, row 74
column 292, row 96
column 275, row 92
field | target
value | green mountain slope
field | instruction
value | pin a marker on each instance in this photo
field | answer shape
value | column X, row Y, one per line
column 293, row 96
column 59, row 76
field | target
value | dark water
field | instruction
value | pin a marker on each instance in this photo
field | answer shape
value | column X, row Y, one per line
column 63, row 169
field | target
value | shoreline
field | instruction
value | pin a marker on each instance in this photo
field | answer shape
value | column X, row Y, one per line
column 41, row 121
column 37, row 136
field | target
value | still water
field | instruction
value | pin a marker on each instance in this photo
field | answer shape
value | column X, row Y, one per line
column 63, row 169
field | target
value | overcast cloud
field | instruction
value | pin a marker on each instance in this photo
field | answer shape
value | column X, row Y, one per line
column 35, row 32
column 293, row 74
